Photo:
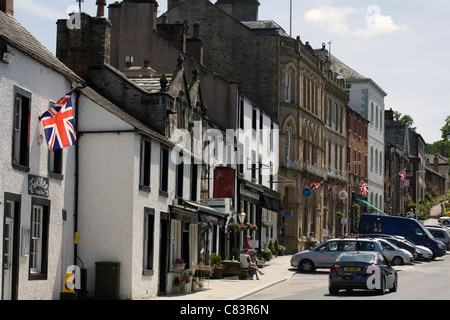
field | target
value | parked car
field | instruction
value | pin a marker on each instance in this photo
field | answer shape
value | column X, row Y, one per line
column 442, row 234
column 362, row 270
column 398, row 241
column 395, row 255
column 444, row 220
column 324, row 255
column 423, row 253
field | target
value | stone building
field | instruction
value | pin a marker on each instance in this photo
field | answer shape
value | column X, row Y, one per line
column 396, row 159
column 286, row 79
column 367, row 98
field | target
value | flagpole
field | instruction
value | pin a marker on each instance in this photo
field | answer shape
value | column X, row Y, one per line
column 290, row 32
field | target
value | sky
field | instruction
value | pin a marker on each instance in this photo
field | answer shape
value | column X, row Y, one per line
column 401, row 45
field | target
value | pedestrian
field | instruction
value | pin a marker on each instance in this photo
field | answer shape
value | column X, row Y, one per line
column 248, row 242
column 246, row 263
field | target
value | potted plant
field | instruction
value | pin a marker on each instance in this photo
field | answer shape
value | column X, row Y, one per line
column 186, row 282
column 235, row 254
column 216, row 261
column 266, row 224
column 267, row 254
column 276, row 246
column 242, row 227
column 282, row 250
column 233, row 226
column 271, row 247
column 195, row 284
column 178, row 264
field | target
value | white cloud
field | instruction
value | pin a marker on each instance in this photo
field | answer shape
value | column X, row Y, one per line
column 348, row 21
column 36, row 9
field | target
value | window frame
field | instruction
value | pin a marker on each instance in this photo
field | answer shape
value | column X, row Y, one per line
column 38, row 266
column 20, row 152
column 148, row 241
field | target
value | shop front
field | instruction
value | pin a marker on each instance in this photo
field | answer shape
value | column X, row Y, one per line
column 196, row 231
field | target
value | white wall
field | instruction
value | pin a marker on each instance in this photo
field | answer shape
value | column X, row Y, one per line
column 45, row 85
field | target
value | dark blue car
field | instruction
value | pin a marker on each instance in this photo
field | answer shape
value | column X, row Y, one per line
column 362, row 270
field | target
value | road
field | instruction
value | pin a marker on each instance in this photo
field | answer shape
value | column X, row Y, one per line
column 420, row 281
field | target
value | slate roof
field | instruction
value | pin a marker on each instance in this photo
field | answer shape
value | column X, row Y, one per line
column 16, row 36
column 152, row 84
column 343, row 70
column 265, row 26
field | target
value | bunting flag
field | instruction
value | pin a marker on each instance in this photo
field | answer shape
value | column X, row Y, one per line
column 314, row 186
column 402, row 175
column 364, row 188
column 331, row 191
column 58, row 123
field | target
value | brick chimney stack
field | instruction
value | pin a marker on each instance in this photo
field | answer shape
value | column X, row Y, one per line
column 85, row 45
column 7, row 6
column 242, row 10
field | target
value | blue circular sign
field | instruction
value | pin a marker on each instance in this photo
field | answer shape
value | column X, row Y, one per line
column 306, row 192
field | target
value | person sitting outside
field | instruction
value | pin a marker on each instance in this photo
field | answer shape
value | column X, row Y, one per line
column 246, row 263
column 312, row 242
column 254, row 259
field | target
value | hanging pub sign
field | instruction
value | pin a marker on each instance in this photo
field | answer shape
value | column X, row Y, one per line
column 224, row 182
column 38, row 186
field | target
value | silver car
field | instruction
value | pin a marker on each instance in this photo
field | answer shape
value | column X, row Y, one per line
column 325, row 254
column 395, row 255
column 440, row 233
column 423, row 253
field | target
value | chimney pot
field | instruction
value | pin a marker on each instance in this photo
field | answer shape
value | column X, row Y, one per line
column 147, row 63
column 101, row 8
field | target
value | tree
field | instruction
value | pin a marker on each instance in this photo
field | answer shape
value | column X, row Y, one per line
column 406, row 120
column 446, row 129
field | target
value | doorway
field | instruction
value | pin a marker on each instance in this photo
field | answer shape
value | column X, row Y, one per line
column 163, row 252
column 11, row 233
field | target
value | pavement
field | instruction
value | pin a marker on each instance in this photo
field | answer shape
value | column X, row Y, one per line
column 275, row 271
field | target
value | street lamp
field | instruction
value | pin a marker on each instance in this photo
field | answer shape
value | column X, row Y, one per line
column 241, row 216
column 348, row 192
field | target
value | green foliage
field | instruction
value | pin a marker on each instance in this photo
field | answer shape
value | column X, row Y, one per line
column 215, row 259
column 276, row 245
column 446, row 130
column 405, row 120
column 235, row 254
column 271, row 246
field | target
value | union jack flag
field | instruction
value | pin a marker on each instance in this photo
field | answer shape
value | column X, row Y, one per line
column 314, row 185
column 58, row 123
column 364, row 188
column 402, row 175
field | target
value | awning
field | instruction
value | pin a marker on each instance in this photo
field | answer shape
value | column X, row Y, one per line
column 203, row 213
column 369, row 205
column 270, row 203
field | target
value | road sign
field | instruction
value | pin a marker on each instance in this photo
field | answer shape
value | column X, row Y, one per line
column 286, row 213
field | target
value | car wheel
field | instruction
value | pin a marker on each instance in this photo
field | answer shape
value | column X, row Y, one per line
column 306, row 266
column 394, row 286
column 445, row 222
column 382, row 290
column 397, row 261
column 333, row 290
